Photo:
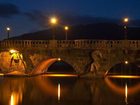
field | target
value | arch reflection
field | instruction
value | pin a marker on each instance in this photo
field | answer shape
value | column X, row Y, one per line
column 124, row 87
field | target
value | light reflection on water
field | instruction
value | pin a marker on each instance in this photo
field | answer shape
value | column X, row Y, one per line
column 59, row 92
column 129, row 88
column 43, row 90
column 11, row 91
column 16, row 98
column 126, row 93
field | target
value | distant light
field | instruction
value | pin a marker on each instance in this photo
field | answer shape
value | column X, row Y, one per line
column 53, row 20
column 59, row 59
column 8, row 29
column 66, row 28
column 126, row 20
column 126, row 62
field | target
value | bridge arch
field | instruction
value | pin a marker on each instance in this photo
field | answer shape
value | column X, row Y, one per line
column 45, row 65
column 124, row 68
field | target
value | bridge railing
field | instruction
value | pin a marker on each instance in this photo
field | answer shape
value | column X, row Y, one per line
column 82, row 44
column 99, row 44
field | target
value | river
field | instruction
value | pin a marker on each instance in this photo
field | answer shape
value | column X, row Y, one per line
column 47, row 90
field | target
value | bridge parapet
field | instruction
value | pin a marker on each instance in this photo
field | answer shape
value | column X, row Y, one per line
column 79, row 44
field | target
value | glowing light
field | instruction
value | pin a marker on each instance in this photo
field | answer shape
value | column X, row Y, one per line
column 126, row 93
column 123, row 76
column 59, row 92
column 53, row 20
column 66, row 28
column 13, row 51
column 59, row 59
column 61, row 75
column 12, row 102
column 1, row 74
column 126, row 20
column 126, row 62
column 8, row 29
column 16, row 98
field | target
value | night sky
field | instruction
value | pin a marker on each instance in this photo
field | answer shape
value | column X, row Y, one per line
column 24, row 16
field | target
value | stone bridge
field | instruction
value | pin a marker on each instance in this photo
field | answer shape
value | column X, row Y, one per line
column 83, row 55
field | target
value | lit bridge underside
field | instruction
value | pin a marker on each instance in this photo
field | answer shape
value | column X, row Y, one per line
column 60, row 75
column 123, row 76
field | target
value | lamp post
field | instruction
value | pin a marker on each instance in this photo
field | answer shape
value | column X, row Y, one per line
column 125, row 20
column 53, row 21
column 8, row 32
column 66, row 32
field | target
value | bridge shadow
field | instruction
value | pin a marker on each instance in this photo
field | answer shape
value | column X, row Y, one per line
column 53, row 66
column 60, row 67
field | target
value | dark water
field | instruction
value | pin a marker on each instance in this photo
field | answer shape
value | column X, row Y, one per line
column 43, row 90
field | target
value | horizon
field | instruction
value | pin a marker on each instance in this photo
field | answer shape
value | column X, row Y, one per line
column 97, row 31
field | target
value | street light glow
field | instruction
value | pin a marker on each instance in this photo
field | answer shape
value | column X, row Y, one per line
column 66, row 28
column 59, row 59
column 126, row 20
column 8, row 29
column 126, row 62
column 53, row 20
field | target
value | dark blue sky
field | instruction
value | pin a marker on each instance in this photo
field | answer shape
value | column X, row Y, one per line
column 25, row 16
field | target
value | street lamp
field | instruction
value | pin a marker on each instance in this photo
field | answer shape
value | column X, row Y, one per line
column 8, row 32
column 126, row 62
column 66, row 32
column 125, row 20
column 53, row 22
